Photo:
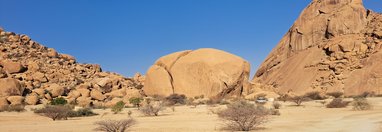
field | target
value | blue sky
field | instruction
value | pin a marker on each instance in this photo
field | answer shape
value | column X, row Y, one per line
column 128, row 36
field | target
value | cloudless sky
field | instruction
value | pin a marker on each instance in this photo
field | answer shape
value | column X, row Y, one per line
column 127, row 36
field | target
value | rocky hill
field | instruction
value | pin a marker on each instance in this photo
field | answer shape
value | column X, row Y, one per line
column 335, row 45
column 32, row 73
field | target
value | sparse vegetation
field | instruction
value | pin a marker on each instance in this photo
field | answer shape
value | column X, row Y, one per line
column 315, row 95
column 243, row 116
column 335, row 94
column 153, row 108
column 55, row 112
column 59, row 101
column 361, row 103
column 114, row 125
column 13, row 108
column 136, row 101
column 118, row 107
column 337, row 103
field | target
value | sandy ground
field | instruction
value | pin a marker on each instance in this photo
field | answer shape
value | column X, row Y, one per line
column 312, row 117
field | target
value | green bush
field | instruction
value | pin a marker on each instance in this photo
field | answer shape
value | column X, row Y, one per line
column 136, row 101
column 59, row 101
column 118, row 107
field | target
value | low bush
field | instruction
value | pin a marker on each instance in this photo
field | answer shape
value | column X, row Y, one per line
column 337, row 103
column 83, row 112
column 13, row 108
column 315, row 95
column 243, row 116
column 118, row 107
column 276, row 105
column 335, row 94
column 57, row 112
column 283, row 98
column 274, row 111
column 114, row 125
column 58, row 101
column 361, row 103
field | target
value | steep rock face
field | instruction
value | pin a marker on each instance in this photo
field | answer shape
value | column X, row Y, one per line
column 208, row 72
column 333, row 46
column 47, row 74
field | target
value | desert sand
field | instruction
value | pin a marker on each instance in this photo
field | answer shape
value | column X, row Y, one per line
column 311, row 117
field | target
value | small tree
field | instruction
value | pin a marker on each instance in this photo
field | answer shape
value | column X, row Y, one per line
column 114, row 125
column 118, row 107
column 243, row 116
column 153, row 108
column 298, row 100
column 136, row 101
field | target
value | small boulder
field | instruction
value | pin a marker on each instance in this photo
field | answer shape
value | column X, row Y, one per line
column 31, row 99
column 97, row 95
column 10, row 87
column 16, row 100
column 84, row 101
column 84, row 92
column 112, row 102
column 56, row 90
column 12, row 67
column 3, row 102
column 52, row 53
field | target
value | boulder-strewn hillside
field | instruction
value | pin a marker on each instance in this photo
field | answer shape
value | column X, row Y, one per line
column 335, row 45
column 208, row 72
column 32, row 73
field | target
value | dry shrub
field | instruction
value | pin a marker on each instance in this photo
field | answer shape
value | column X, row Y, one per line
column 174, row 99
column 284, row 98
column 57, row 112
column 337, row 103
column 361, row 103
column 315, row 95
column 335, row 94
column 243, row 116
column 298, row 100
column 153, row 108
column 276, row 105
column 274, row 111
column 114, row 125
column 83, row 112
column 13, row 108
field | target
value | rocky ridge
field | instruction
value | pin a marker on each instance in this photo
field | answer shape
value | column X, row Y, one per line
column 333, row 46
column 33, row 74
